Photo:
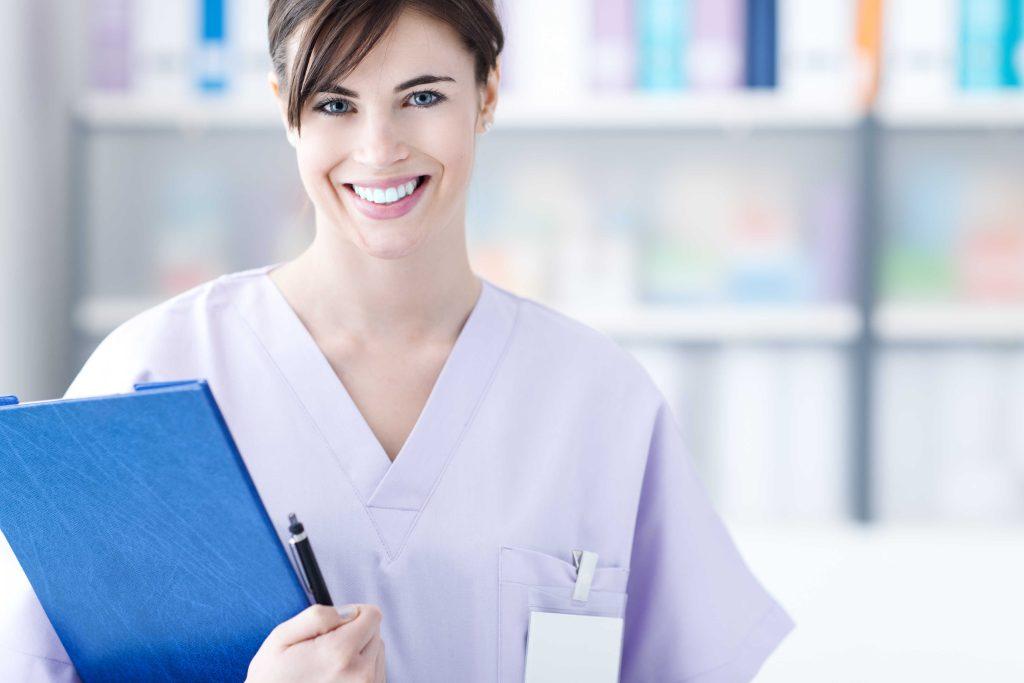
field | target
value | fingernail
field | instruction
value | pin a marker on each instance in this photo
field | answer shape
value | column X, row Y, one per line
column 347, row 611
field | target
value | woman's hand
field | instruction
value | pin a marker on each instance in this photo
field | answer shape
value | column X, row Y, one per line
column 320, row 645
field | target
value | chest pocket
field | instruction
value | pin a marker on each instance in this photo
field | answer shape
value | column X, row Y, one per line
column 529, row 580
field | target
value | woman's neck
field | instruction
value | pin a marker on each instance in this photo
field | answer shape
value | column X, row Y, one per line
column 338, row 290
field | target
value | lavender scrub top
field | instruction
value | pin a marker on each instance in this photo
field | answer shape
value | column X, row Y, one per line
column 540, row 436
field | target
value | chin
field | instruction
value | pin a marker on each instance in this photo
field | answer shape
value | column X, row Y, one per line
column 389, row 247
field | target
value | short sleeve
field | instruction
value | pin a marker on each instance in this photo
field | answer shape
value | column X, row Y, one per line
column 695, row 612
column 115, row 366
column 30, row 651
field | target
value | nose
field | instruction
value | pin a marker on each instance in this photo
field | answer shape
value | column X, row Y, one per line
column 379, row 143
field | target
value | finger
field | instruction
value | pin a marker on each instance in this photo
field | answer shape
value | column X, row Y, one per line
column 381, row 665
column 309, row 623
column 357, row 633
column 370, row 651
column 369, row 658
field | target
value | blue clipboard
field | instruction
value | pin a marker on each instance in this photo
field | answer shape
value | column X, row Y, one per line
column 139, row 527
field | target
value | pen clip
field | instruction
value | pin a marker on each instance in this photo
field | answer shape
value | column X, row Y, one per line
column 299, row 569
column 585, row 563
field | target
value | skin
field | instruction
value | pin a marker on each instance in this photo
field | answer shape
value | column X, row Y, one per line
column 384, row 300
column 319, row 645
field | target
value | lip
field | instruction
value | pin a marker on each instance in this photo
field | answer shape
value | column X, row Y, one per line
column 389, row 211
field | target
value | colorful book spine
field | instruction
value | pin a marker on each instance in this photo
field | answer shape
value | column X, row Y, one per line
column 816, row 48
column 250, row 63
column 987, row 44
column 213, row 47
column 550, row 47
column 1016, row 43
column 110, row 44
column 869, row 50
column 662, row 26
column 614, row 51
column 766, row 259
column 161, row 37
column 716, row 58
column 761, row 50
column 922, row 233
column 829, row 221
column 919, row 46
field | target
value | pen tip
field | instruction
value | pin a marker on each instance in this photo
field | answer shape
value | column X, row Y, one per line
column 292, row 519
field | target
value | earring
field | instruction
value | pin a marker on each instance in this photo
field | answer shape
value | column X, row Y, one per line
column 487, row 125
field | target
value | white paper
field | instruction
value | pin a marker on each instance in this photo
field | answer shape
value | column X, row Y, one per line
column 573, row 647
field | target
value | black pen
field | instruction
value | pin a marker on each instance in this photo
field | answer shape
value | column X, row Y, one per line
column 313, row 579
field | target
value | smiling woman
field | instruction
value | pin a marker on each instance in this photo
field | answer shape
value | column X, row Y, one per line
column 496, row 487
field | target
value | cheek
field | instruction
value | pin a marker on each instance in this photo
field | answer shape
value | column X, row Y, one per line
column 452, row 144
column 316, row 157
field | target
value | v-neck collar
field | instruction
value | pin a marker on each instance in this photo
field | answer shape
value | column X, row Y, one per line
column 394, row 493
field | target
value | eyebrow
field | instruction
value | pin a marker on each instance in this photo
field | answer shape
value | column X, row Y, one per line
column 411, row 83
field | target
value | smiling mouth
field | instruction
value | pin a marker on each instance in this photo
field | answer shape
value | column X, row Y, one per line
column 421, row 181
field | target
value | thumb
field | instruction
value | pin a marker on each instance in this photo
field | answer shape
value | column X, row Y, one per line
column 348, row 612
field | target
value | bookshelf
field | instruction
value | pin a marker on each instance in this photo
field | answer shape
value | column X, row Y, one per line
column 805, row 121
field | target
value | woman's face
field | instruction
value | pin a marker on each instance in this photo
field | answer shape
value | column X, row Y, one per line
column 378, row 133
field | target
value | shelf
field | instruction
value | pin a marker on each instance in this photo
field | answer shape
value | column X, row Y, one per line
column 736, row 110
column 97, row 317
column 812, row 323
column 950, row 323
column 724, row 110
column 127, row 112
column 999, row 110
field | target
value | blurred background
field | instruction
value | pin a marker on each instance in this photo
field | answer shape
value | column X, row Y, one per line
column 805, row 217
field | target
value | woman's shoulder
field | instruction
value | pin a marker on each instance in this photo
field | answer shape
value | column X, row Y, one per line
column 570, row 345
column 162, row 336
column 191, row 307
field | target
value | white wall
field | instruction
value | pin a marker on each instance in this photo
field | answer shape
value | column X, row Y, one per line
column 37, row 82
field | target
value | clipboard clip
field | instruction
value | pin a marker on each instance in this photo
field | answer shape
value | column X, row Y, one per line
column 585, row 563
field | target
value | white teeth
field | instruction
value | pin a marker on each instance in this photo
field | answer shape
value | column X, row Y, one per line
column 380, row 195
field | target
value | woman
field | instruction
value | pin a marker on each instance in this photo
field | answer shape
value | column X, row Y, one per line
column 447, row 443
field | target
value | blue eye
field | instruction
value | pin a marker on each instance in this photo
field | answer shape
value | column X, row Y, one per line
column 325, row 107
column 437, row 97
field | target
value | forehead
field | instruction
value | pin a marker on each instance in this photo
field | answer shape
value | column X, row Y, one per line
column 414, row 42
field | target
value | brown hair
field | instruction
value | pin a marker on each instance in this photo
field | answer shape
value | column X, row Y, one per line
column 321, row 59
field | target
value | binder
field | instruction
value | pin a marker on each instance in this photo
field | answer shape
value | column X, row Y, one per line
column 142, row 533
column 663, row 30
column 761, row 44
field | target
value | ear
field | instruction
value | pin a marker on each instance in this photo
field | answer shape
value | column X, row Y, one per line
column 282, row 106
column 489, row 101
